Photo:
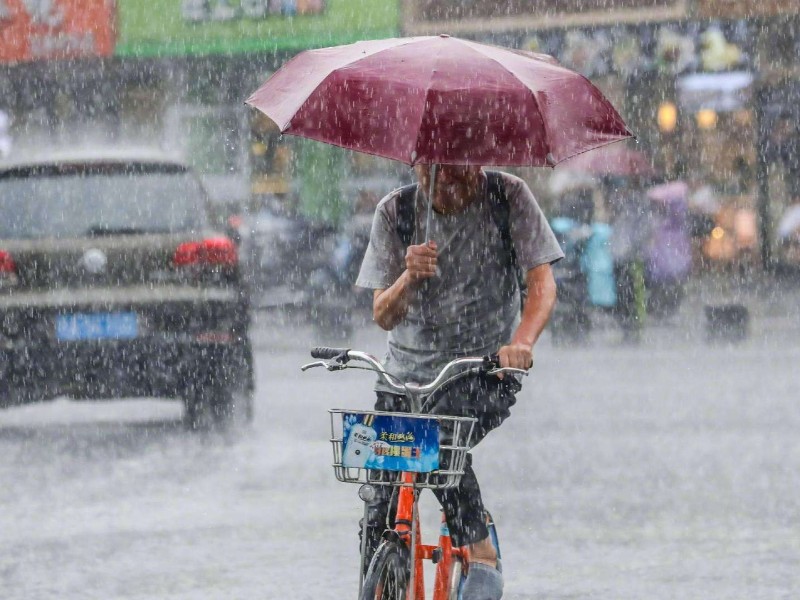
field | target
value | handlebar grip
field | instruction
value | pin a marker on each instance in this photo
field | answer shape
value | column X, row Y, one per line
column 326, row 353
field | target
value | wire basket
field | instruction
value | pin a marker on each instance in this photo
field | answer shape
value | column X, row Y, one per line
column 453, row 433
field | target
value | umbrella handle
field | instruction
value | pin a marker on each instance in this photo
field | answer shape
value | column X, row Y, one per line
column 431, row 187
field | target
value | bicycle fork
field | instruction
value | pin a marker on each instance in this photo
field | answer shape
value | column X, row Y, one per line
column 442, row 555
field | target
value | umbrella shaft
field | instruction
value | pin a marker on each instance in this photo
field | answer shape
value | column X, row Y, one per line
column 431, row 187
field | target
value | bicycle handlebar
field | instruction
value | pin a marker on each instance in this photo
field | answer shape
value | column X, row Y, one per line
column 324, row 352
column 486, row 364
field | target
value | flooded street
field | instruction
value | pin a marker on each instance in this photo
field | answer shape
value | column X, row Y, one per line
column 671, row 470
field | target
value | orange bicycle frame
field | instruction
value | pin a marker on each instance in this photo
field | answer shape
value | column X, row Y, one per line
column 407, row 526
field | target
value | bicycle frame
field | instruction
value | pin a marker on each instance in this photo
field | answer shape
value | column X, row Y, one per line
column 407, row 527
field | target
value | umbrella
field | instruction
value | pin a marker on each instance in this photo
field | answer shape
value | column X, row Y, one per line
column 440, row 100
column 617, row 160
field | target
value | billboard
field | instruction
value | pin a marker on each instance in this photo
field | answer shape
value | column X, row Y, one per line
column 200, row 27
column 52, row 29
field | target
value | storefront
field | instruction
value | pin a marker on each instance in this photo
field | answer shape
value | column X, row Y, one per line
column 54, row 59
column 174, row 74
column 698, row 82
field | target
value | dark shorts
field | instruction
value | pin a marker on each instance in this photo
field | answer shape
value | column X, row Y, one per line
column 487, row 399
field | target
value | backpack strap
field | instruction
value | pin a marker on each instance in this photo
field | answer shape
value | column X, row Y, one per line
column 499, row 208
column 496, row 189
column 501, row 215
column 405, row 213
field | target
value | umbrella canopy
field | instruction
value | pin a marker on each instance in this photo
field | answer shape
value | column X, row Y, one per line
column 440, row 100
column 617, row 160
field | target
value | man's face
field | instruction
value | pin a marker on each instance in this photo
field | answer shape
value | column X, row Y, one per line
column 450, row 176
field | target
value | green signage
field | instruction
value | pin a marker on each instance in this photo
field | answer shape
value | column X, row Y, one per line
column 198, row 27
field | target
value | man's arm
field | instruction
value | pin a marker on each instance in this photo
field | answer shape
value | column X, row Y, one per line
column 535, row 314
column 390, row 305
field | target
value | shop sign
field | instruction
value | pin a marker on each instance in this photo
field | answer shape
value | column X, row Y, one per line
column 202, row 27
column 226, row 10
column 434, row 16
column 671, row 48
column 53, row 29
column 721, row 92
column 740, row 9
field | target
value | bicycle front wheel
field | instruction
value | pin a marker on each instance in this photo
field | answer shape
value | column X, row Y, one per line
column 388, row 573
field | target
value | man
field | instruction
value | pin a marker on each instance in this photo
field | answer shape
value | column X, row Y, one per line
column 457, row 295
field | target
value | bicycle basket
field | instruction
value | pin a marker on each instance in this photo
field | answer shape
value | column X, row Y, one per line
column 373, row 446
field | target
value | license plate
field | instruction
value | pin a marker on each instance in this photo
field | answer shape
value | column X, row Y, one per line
column 97, row 326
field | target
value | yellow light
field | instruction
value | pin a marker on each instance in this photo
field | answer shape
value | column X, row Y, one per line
column 717, row 233
column 706, row 118
column 667, row 117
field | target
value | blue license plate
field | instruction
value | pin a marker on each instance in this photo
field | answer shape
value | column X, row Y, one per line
column 97, row 326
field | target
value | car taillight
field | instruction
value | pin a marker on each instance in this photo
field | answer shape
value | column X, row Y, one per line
column 219, row 251
column 7, row 264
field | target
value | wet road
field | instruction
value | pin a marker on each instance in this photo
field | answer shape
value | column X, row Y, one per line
column 667, row 471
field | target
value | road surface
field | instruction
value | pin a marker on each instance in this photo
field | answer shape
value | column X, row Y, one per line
column 671, row 470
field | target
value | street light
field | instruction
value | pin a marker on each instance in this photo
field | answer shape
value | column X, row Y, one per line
column 706, row 118
column 667, row 117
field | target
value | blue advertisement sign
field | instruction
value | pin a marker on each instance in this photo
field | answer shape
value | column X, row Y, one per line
column 393, row 443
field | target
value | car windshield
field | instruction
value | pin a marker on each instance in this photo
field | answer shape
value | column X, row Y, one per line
column 76, row 202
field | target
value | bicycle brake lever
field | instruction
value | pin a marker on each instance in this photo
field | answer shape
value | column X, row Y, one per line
column 322, row 363
column 508, row 370
column 318, row 363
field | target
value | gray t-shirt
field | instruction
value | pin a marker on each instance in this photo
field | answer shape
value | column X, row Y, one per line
column 472, row 306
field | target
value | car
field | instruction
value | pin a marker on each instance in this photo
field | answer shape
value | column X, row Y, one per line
column 114, row 284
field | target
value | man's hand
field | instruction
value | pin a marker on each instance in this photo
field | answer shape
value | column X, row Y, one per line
column 421, row 261
column 515, row 356
column 541, row 298
column 389, row 306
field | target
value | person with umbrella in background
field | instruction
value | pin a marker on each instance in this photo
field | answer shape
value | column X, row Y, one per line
column 632, row 225
column 444, row 255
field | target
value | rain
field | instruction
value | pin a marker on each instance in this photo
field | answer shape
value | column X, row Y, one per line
column 189, row 190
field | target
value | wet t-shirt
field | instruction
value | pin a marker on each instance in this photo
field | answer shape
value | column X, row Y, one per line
column 471, row 307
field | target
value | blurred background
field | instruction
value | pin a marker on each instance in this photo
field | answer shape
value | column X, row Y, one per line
column 654, row 452
column 710, row 87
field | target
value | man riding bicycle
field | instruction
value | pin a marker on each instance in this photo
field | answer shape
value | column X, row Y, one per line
column 458, row 294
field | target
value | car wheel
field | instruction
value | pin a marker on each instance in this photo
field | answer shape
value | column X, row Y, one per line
column 224, row 396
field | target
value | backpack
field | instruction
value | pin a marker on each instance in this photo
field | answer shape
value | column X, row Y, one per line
column 500, row 215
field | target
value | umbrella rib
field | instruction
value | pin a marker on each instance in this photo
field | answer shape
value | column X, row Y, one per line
column 422, row 112
column 482, row 50
column 367, row 54
column 477, row 48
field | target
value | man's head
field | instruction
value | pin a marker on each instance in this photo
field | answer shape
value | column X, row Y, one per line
column 450, row 179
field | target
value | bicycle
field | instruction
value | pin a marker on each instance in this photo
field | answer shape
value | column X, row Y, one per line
column 367, row 443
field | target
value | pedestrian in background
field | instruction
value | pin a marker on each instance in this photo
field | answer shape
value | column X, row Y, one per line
column 631, row 221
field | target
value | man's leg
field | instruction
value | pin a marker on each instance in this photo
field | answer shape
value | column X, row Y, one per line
column 466, row 520
column 489, row 401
